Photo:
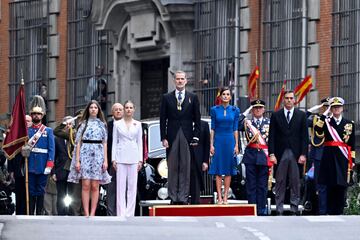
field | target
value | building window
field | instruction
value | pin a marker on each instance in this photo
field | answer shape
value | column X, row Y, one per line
column 346, row 56
column 284, row 47
column 28, row 30
column 214, row 48
column 89, row 69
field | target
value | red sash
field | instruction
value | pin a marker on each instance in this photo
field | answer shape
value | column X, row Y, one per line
column 261, row 141
column 341, row 144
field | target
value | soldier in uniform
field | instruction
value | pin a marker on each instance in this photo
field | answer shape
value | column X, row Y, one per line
column 256, row 154
column 316, row 151
column 338, row 154
column 41, row 159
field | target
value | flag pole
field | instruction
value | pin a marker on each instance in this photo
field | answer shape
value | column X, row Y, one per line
column 26, row 167
column 27, row 185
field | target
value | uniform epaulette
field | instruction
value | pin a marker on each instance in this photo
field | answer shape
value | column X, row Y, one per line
column 320, row 123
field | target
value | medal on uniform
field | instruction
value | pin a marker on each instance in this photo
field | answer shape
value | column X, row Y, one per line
column 178, row 106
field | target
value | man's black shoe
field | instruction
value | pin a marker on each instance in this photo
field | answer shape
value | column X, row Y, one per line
column 279, row 214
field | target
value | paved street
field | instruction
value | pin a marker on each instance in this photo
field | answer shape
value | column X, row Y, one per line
column 248, row 228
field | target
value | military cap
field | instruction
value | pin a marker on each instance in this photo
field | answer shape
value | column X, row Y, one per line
column 258, row 103
column 336, row 101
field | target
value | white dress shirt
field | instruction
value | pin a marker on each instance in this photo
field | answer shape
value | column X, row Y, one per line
column 182, row 95
column 291, row 113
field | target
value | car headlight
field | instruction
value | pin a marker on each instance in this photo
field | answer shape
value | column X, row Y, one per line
column 162, row 168
column 163, row 193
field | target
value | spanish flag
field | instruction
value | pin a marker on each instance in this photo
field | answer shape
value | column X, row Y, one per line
column 252, row 83
column 218, row 97
column 303, row 88
column 17, row 135
column 280, row 97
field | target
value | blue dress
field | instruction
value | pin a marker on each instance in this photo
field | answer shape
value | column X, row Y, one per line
column 91, row 154
column 223, row 162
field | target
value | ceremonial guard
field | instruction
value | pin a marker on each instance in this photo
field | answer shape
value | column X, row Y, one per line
column 256, row 154
column 41, row 159
column 316, row 151
column 338, row 154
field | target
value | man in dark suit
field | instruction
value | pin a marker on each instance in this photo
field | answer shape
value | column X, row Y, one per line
column 288, row 144
column 179, row 132
column 117, row 111
column 200, row 164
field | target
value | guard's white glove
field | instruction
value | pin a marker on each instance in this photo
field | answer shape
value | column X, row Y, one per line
column 327, row 111
column 247, row 111
column 71, row 120
column 25, row 150
column 47, row 170
column 314, row 108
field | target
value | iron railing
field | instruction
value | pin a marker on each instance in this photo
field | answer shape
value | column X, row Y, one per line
column 346, row 56
column 284, row 46
column 215, row 48
column 87, row 48
column 28, row 54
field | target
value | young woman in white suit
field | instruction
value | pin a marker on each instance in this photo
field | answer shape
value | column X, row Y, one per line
column 127, row 159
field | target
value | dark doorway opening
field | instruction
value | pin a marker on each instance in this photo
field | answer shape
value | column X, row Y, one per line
column 154, row 82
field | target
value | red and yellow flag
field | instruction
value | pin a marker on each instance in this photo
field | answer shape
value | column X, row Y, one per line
column 303, row 88
column 17, row 135
column 218, row 97
column 252, row 83
column 280, row 97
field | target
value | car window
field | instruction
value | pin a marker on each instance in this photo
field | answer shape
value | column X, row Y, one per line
column 154, row 138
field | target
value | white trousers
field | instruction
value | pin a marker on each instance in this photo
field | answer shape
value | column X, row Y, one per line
column 126, row 175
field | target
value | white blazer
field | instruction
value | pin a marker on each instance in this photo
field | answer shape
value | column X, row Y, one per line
column 127, row 145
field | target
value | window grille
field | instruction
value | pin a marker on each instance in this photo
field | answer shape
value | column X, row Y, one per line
column 28, row 31
column 346, row 56
column 215, row 56
column 87, row 48
column 283, row 47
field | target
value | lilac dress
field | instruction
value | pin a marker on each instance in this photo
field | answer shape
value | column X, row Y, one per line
column 91, row 154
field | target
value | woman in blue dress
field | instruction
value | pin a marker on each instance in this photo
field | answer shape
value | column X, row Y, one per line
column 90, row 156
column 223, row 142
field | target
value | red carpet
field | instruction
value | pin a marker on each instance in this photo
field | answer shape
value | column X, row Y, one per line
column 203, row 210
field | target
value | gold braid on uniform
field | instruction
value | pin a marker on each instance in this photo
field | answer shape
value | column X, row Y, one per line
column 71, row 143
column 314, row 132
column 254, row 138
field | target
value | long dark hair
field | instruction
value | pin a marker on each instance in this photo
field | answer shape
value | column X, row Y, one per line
column 85, row 116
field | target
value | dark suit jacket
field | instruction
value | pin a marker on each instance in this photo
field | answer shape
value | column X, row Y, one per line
column 171, row 119
column 61, row 157
column 293, row 135
column 110, row 126
column 202, row 151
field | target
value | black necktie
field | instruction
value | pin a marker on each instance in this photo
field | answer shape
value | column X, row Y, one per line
column 288, row 116
column 258, row 123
